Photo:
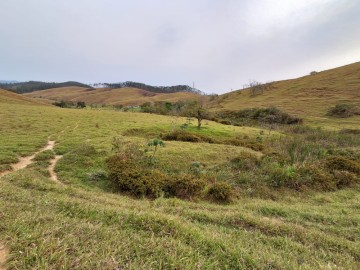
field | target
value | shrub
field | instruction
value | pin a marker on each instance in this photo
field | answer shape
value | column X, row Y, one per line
column 341, row 163
column 130, row 177
column 316, row 178
column 343, row 111
column 259, row 115
column 185, row 136
column 220, row 192
column 225, row 122
column 345, row 179
column 184, row 186
column 282, row 176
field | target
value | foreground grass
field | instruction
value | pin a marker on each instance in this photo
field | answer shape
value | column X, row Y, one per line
column 84, row 226
column 47, row 226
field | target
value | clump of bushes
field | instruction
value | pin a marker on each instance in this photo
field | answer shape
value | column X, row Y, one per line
column 133, row 171
column 184, row 186
column 185, row 136
column 341, row 163
column 133, row 178
column 257, row 116
column 221, row 192
column 343, row 111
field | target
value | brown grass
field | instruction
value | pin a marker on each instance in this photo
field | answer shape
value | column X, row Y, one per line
column 308, row 96
column 13, row 98
column 123, row 96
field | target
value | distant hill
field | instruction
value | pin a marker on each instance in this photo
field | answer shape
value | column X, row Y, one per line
column 10, row 97
column 154, row 89
column 7, row 82
column 310, row 95
column 127, row 96
column 28, row 87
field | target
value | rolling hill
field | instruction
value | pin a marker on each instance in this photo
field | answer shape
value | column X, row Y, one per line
column 13, row 98
column 310, row 95
column 120, row 96
column 30, row 86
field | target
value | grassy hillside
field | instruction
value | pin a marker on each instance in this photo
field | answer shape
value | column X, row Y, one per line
column 13, row 98
column 309, row 97
column 84, row 224
column 123, row 96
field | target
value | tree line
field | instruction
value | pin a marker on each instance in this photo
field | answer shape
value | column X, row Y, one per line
column 31, row 86
column 155, row 89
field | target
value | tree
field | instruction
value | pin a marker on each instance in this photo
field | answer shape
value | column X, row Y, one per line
column 80, row 104
column 198, row 110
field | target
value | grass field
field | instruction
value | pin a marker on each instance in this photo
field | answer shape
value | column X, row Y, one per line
column 124, row 96
column 84, row 224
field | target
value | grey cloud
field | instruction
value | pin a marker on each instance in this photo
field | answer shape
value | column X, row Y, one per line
column 218, row 44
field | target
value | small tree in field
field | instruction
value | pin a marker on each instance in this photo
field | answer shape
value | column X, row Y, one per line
column 154, row 144
column 198, row 110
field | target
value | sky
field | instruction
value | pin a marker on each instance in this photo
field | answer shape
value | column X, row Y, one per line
column 220, row 45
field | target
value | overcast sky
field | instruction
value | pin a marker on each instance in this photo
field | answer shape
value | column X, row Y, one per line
column 219, row 44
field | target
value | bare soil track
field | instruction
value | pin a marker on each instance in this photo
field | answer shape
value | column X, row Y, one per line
column 25, row 161
column 3, row 255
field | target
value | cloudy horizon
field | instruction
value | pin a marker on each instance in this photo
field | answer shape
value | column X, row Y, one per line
column 219, row 45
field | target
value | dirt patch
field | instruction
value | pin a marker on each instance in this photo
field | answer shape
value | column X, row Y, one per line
column 25, row 161
column 3, row 255
column 53, row 175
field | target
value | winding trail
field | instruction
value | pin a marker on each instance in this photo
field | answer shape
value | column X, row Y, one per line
column 3, row 255
column 26, row 161
column 53, row 175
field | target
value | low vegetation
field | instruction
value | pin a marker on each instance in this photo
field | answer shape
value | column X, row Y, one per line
column 257, row 116
column 343, row 110
column 143, row 191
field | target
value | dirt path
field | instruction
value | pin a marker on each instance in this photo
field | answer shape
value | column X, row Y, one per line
column 25, row 161
column 53, row 175
column 3, row 255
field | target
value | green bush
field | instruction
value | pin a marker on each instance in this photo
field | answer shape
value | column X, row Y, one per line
column 345, row 179
column 184, row 186
column 343, row 111
column 317, row 178
column 220, row 192
column 131, row 177
column 341, row 163
column 258, row 115
column 185, row 136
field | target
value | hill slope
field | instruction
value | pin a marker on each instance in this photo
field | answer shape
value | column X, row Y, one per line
column 27, row 87
column 13, row 98
column 310, row 95
column 123, row 96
